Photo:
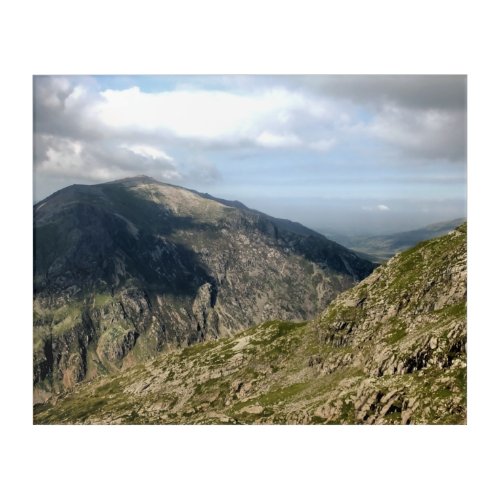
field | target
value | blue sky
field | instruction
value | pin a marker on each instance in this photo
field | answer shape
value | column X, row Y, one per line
column 353, row 154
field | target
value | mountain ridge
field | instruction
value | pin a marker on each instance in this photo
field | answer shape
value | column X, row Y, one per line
column 126, row 269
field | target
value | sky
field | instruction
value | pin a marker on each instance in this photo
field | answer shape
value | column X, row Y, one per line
column 348, row 154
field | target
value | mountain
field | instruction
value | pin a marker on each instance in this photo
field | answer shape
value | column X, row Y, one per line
column 127, row 269
column 382, row 248
column 390, row 350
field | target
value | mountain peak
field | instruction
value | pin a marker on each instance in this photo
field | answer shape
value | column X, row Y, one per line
column 139, row 179
column 125, row 269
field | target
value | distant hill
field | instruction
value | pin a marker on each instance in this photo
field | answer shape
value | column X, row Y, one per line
column 382, row 248
column 127, row 269
column 391, row 350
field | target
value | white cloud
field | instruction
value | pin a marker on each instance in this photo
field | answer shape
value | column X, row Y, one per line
column 267, row 118
column 268, row 139
column 376, row 208
column 97, row 161
column 120, row 132
column 148, row 152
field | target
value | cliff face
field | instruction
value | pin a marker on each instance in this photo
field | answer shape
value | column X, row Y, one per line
column 390, row 350
column 126, row 269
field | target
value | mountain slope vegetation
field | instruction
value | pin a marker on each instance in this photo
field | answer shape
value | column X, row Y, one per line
column 391, row 350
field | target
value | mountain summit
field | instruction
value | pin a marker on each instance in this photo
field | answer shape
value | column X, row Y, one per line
column 125, row 269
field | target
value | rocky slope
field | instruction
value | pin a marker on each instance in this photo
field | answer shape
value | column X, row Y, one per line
column 391, row 350
column 127, row 269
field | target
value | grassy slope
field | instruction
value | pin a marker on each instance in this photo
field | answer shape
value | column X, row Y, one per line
column 359, row 362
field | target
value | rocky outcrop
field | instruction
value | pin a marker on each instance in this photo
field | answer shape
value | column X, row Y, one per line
column 206, row 317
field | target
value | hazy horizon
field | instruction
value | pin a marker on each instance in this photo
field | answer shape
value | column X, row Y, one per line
column 305, row 211
column 353, row 154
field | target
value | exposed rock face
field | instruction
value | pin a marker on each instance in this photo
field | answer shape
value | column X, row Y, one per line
column 126, row 269
column 392, row 350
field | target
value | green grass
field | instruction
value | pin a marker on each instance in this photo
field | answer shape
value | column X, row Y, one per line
column 81, row 409
column 461, row 379
column 315, row 419
column 348, row 412
column 454, row 311
column 339, row 312
column 101, row 299
column 283, row 394
column 108, row 389
column 443, row 392
column 397, row 332
column 56, row 321
column 197, row 349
